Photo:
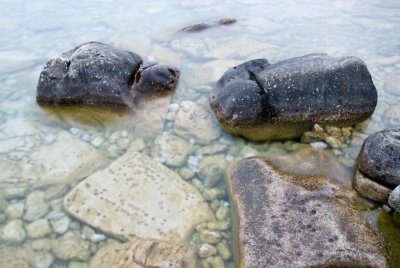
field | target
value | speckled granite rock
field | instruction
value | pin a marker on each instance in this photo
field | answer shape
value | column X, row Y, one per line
column 309, row 162
column 288, row 221
column 97, row 74
column 261, row 101
column 145, row 254
column 379, row 158
column 27, row 146
column 149, row 200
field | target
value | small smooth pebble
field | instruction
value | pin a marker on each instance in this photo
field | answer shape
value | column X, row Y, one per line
column 206, row 250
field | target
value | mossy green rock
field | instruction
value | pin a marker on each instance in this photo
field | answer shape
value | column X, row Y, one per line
column 287, row 221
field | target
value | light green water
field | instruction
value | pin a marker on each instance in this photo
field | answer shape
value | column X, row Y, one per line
column 32, row 32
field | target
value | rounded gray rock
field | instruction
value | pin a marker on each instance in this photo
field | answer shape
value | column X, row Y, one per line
column 91, row 73
column 379, row 158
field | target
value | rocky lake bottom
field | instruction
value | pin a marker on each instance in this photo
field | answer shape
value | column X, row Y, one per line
column 56, row 209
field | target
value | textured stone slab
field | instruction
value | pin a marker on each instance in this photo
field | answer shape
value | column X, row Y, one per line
column 145, row 254
column 287, row 221
column 138, row 197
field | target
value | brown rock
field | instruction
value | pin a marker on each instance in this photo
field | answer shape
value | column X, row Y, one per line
column 288, row 221
column 370, row 189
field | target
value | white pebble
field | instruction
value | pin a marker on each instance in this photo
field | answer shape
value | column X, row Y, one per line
column 49, row 138
column 55, row 215
column 192, row 141
column 319, row 145
column 229, row 158
column 74, row 130
column 173, row 107
column 96, row 238
column 85, row 137
column 124, row 134
column 96, row 142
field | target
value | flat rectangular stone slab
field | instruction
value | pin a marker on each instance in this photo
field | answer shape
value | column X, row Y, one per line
column 138, row 197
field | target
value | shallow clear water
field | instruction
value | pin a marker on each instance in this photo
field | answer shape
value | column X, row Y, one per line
column 32, row 32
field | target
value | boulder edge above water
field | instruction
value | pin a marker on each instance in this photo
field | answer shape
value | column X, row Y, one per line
column 263, row 101
column 96, row 74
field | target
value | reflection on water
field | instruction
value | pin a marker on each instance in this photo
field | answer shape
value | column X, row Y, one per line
column 45, row 152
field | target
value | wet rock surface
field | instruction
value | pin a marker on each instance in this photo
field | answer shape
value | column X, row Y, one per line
column 310, row 162
column 27, row 161
column 260, row 101
column 193, row 120
column 97, row 74
column 379, row 158
column 145, row 254
column 288, row 221
column 394, row 199
column 149, row 200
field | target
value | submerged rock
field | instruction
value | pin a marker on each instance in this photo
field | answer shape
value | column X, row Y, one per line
column 313, row 163
column 97, row 74
column 194, row 121
column 149, row 200
column 288, row 221
column 203, row 26
column 70, row 246
column 26, row 160
column 171, row 150
column 262, row 101
column 13, row 232
column 145, row 253
column 13, row 256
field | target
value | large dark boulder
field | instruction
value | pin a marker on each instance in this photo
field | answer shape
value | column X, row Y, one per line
column 378, row 165
column 283, row 220
column 262, row 101
column 100, row 75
